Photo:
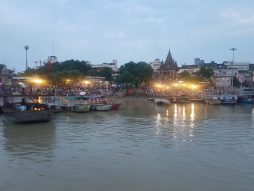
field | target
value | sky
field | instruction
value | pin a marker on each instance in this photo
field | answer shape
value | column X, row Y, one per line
column 126, row 30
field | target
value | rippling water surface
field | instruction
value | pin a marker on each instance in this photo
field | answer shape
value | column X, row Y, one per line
column 140, row 147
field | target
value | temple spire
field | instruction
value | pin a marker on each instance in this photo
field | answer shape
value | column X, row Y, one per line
column 169, row 62
column 169, row 58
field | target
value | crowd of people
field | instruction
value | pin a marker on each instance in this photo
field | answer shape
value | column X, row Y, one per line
column 60, row 90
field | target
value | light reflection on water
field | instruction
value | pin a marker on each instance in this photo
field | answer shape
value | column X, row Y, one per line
column 140, row 147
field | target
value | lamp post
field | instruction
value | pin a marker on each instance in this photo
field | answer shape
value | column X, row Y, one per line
column 233, row 61
column 26, row 48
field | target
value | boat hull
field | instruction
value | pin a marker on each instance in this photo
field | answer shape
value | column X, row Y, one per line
column 161, row 101
column 213, row 102
column 30, row 116
column 246, row 100
column 81, row 108
column 115, row 106
column 103, row 107
column 228, row 100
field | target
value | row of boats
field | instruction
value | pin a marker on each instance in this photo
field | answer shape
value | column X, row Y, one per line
column 213, row 100
column 43, row 110
column 228, row 99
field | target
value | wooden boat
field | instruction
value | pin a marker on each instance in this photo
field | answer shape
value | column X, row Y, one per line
column 246, row 96
column 115, row 106
column 103, row 107
column 161, row 101
column 35, row 113
column 213, row 100
column 56, row 108
column 55, row 103
column 182, row 99
column 80, row 108
column 196, row 99
column 228, row 99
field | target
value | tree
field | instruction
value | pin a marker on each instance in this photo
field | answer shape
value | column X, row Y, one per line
column 58, row 72
column 135, row 73
column 236, row 82
column 205, row 74
column 106, row 73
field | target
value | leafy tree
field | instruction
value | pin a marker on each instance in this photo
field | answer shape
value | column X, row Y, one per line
column 236, row 82
column 205, row 74
column 135, row 73
column 106, row 73
column 58, row 72
column 187, row 76
column 102, row 72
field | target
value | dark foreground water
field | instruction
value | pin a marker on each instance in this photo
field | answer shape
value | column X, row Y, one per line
column 141, row 147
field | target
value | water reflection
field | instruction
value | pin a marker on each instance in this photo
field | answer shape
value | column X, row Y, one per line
column 140, row 147
column 29, row 141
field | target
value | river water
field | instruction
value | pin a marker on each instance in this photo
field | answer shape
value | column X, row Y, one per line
column 140, row 147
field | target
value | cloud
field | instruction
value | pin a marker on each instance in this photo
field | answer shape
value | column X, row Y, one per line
column 239, row 22
column 125, row 30
column 239, row 17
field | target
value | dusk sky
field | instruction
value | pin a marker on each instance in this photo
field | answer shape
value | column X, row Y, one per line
column 126, row 30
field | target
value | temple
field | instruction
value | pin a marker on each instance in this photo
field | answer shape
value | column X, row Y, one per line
column 168, row 69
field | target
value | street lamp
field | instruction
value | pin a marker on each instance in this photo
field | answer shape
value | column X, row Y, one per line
column 26, row 48
column 233, row 51
column 233, row 61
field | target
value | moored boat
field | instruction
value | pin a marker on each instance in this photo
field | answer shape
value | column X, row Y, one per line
column 103, row 107
column 161, row 101
column 56, row 108
column 115, row 106
column 228, row 99
column 80, row 108
column 196, row 99
column 35, row 113
column 246, row 96
column 182, row 99
column 213, row 100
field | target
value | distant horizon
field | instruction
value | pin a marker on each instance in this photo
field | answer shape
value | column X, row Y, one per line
column 118, row 65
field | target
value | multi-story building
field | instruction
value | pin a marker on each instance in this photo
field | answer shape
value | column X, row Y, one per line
column 198, row 62
column 192, row 69
column 245, row 71
column 112, row 65
column 156, row 64
column 5, row 75
column 223, row 77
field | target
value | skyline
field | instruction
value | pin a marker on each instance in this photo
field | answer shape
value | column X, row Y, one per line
column 135, row 30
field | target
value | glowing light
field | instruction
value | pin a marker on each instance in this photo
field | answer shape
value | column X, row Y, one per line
column 40, row 100
column 158, row 85
column 37, row 81
column 193, row 86
column 86, row 82
column 192, row 116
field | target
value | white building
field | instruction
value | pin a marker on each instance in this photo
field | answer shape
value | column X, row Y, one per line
column 192, row 69
column 223, row 77
column 244, row 66
column 156, row 64
column 112, row 65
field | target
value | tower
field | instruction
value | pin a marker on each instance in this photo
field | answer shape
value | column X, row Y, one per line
column 168, row 69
